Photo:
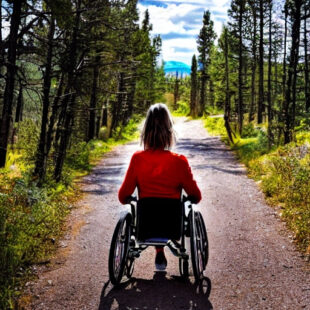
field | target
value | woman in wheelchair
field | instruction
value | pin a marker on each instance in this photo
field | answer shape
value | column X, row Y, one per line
column 158, row 173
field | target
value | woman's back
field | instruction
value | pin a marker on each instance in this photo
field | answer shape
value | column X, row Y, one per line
column 159, row 173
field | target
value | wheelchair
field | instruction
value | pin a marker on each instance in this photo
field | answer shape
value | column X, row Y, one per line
column 148, row 224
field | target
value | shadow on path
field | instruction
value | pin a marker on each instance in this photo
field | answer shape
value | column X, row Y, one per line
column 159, row 293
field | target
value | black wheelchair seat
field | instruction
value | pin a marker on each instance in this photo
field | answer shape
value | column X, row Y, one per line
column 159, row 218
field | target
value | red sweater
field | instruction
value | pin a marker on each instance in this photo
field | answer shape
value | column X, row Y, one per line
column 159, row 173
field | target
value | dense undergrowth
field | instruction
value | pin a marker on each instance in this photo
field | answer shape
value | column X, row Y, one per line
column 283, row 173
column 31, row 217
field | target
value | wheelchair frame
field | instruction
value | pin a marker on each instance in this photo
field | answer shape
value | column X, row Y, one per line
column 125, row 247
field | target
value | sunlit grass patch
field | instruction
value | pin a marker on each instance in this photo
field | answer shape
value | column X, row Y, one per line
column 215, row 125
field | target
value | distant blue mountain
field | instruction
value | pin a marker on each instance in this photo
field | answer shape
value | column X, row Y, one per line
column 172, row 67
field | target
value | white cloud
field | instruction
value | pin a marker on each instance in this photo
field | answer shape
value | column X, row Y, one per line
column 177, row 18
column 172, row 49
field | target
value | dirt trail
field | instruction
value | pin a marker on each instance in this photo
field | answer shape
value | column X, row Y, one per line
column 253, row 263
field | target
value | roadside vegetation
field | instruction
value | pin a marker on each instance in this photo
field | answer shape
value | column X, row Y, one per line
column 32, row 217
column 283, row 173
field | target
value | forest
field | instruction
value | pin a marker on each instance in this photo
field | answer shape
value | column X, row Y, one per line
column 78, row 75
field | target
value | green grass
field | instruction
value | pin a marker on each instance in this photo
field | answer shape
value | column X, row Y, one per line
column 215, row 126
column 282, row 172
column 31, row 218
column 182, row 110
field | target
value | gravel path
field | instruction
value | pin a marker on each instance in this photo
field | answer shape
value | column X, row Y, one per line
column 253, row 263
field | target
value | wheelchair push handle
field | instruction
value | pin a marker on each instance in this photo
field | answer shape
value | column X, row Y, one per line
column 186, row 198
column 131, row 199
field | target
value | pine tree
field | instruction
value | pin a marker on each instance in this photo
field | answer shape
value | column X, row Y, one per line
column 205, row 42
column 237, row 23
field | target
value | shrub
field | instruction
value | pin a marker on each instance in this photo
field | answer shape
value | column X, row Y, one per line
column 30, row 219
column 287, row 182
column 249, row 131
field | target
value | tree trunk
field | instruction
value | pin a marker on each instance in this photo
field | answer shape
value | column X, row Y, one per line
column 227, row 91
column 54, row 114
column 93, row 101
column 194, row 86
column 104, row 121
column 254, row 59
column 117, row 106
column 261, row 64
column 283, row 109
column 20, row 105
column 269, row 76
column 1, row 43
column 10, row 81
column 202, row 99
column 240, row 68
column 41, row 156
column 64, row 138
column 176, row 92
column 307, row 82
column 292, row 74
column 131, row 97
column 212, row 99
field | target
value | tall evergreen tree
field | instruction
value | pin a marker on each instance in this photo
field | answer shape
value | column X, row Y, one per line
column 205, row 42
column 237, row 15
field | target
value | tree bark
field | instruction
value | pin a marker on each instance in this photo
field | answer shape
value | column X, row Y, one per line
column 202, row 99
column 254, row 60
column 41, row 156
column 269, row 76
column 261, row 64
column 240, row 68
column 93, row 101
column 20, row 105
column 282, row 114
column 194, row 88
column 292, row 73
column 227, row 90
column 53, row 116
column 10, row 81
column 307, row 82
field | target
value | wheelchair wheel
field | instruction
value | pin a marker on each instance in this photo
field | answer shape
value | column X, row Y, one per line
column 204, row 239
column 198, row 252
column 118, row 257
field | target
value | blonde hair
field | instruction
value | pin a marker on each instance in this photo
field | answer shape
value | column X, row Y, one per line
column 158, row 130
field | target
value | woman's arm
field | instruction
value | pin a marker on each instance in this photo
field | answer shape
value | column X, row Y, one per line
column 188, row 182
column 129, row 183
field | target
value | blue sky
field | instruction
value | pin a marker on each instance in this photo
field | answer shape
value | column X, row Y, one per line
column 179, row 22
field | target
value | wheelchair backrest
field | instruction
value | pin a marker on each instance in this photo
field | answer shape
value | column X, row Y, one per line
column 159, row 218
